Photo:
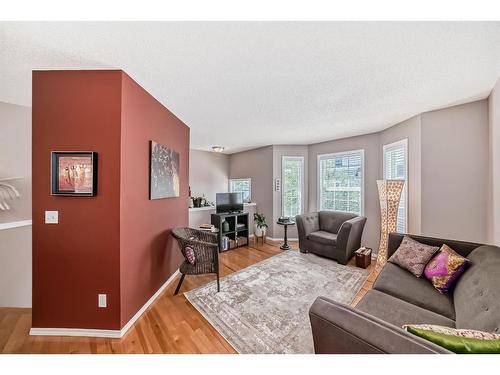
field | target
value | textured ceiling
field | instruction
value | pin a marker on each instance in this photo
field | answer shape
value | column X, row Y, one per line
column 243, row 85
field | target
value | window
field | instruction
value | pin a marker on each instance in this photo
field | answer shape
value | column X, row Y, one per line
column 241, row 185
column 396, row 168
column 292, row 176
column 340, row 182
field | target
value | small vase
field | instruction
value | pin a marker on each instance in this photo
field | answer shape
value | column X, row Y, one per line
column 225, row 226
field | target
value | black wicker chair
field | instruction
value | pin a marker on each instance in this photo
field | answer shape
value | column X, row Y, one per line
column 206, row 249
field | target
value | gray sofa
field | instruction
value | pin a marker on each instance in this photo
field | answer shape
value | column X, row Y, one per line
column 398, row 298
column 332, row 234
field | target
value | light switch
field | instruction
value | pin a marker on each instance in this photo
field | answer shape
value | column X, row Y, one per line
column 51, row 217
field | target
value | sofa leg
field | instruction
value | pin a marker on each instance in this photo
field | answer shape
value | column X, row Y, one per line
column 303, row 251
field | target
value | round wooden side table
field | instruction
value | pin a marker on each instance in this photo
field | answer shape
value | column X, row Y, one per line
column 285, row 245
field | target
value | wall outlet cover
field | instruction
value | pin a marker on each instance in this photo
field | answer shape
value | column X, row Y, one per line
column 102, row 300
column 51, row 217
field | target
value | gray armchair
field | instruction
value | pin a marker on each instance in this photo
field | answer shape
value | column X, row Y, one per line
column 332, row 234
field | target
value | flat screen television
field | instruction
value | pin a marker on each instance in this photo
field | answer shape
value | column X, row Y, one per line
column 228, row 202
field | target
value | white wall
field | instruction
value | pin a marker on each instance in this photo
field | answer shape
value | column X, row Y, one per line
column 15, row 243
column 208, row 173
column 455, row 172
column 494, row 166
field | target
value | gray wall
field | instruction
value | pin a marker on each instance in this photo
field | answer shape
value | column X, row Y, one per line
column 15, row 243
column 278, row 153
column 15, row 157
column 494, row 167
column 446, row 149
column 455, row 172
column 372, row 159
column 208, row 173
column 258, row 165
column 411, row 130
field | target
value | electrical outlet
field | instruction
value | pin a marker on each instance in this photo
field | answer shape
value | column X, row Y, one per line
column 102, row 300
column 51, row 217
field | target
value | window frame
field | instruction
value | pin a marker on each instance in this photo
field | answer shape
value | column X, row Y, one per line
column 302, row 182
column 249, row 179
column 404, row 143
column 319, row 176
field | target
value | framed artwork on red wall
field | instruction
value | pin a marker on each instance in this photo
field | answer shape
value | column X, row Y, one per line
column 74, row 173
column 164, row 172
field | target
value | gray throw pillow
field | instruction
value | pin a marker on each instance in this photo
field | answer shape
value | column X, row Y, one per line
column 413, row 255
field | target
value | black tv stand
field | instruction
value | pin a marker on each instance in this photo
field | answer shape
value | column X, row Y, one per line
column 238, row 232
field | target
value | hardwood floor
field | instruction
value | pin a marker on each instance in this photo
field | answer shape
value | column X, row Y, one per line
column 170, row 325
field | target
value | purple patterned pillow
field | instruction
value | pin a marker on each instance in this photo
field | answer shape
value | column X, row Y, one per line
column 413, row 255
column 190, row 255
column 445, row 269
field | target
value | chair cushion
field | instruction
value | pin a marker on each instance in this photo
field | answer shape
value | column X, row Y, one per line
column 401, row 284
column 323, row 237
column 399, row 312
column 477, row 293
column 331, row 221
column 190, row 255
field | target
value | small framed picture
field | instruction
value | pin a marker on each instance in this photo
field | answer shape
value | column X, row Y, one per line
column 74, row 173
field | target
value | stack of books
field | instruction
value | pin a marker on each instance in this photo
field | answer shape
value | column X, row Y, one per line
column 207, row 227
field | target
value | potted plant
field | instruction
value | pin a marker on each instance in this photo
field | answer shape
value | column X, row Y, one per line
column 260, row 224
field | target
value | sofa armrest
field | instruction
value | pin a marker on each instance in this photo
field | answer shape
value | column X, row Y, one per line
column 349, row 236
column 306, row 224
column 340, row 329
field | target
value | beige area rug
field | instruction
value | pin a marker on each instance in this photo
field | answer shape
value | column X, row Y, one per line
column 264, row 308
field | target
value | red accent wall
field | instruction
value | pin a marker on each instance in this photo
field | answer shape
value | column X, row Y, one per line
column 118, row 242
column 148, row 253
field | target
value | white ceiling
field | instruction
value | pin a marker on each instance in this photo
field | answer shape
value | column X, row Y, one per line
column 243, row 85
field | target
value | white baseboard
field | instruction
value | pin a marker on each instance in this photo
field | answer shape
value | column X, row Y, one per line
column 109, row 333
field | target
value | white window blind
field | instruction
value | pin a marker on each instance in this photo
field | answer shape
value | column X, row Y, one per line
column 396, row 168
column 241, row 185
column 340, row 181
column 292, row 175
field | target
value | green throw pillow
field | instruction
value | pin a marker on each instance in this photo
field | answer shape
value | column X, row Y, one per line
column 463, row 341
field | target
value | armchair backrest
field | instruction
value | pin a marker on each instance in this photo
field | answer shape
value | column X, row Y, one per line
column 331, row 221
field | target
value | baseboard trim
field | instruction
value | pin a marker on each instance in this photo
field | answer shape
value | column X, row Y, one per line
column 107, row 333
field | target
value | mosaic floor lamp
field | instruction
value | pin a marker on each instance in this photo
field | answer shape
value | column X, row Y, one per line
column 389, row 192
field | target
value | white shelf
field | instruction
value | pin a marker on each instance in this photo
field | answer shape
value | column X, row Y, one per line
column 15, row 224
column 212, row 208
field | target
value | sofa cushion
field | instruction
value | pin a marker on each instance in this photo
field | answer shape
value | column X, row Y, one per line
column 331, row 221
column 477, row 293
column 413, row 255
column 323, row 237
column 445, row 269
column 400, row 283
column 463, row 341
column 399, row 312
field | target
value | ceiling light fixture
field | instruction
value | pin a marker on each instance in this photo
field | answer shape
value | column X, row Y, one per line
column 217, row 148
